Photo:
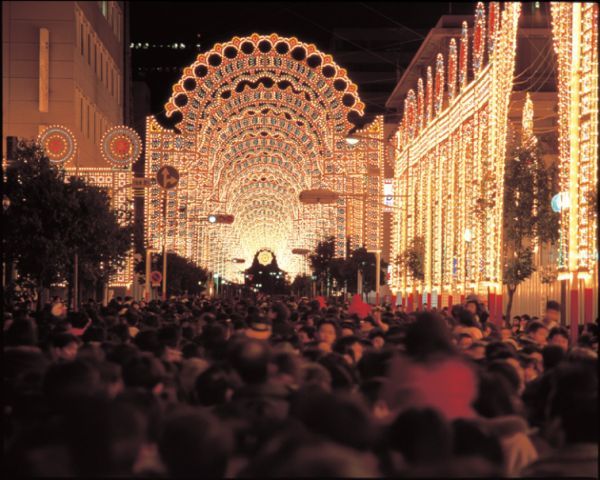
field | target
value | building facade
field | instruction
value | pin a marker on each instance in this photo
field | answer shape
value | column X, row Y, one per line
column 65, row 64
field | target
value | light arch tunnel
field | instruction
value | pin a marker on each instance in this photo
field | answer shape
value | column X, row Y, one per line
column 258, row 120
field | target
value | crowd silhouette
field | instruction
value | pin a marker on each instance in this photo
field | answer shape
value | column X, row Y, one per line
column 271, row 387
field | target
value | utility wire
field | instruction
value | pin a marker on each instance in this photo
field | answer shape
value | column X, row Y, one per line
column 339, row 36
column 392, row 20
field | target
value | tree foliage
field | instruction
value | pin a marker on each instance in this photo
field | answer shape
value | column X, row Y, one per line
column 182, row 274
column 528, row 189
column 50, row 219
column 413, row 259
column 344, row 271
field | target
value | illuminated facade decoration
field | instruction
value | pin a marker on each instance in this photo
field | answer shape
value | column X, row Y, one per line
column 479, row 39
column 453, row 171
column 121, row 146
column 575, row 32
column 463, row 57
column 452, row 69
column 59, row 144
column 262, row 118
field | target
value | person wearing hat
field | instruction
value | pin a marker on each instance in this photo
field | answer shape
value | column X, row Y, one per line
column 259, row 328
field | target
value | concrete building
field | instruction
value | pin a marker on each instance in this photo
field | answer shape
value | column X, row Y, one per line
column 64, row 63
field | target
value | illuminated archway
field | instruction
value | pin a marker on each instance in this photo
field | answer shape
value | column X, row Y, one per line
column 258, row 120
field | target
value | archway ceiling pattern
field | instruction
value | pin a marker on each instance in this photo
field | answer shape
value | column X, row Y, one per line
column 258, row 119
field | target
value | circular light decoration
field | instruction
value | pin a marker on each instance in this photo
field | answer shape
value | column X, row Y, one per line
column 59, row 144
column 265, row 257
column 121, row 146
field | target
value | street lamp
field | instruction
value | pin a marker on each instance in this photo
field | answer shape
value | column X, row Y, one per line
column 5, row 203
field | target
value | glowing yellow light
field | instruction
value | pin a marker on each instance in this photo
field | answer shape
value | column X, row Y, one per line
column 265, row 257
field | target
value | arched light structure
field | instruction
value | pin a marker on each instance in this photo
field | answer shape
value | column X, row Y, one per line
column 258, row 120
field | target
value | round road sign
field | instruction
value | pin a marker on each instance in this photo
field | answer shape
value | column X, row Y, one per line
column 156, row 277
column 167, row 177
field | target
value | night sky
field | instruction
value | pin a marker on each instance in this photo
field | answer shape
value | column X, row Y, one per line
column 208, row 23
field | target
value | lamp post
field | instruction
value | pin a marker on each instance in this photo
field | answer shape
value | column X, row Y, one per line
column 377, row 272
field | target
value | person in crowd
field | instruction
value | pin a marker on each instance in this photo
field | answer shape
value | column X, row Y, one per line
column 559, row 336
column 261, row 386
column 552, row 315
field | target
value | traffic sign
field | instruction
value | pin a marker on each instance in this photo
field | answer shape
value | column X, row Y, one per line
column 155, row 278
column 167, row 177
column 141, row 182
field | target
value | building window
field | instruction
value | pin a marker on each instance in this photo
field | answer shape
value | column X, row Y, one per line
column 88, row 120
column 89, row 49
column 95, row 58
column 101, row 67
column 81, row 37
column 81, row 113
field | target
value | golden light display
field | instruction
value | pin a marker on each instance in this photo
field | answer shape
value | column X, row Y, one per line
column 60, row 145
column 575, row 33
column 260, row 119
column 452, row 170
column 265, row 257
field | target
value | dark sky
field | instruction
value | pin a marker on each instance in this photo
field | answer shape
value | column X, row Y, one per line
column 312, row 22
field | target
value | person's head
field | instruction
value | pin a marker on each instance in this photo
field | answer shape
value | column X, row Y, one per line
column 350, row 347
column 464, row 341
column 193, row 442
column 471, row 306
column 341, row 418
column 145, row 371
column 22, row 332
column 214, row 386
column 427, row 336
column 506, row 333
column 573, row 402
column 422, row 435
column 306, row 334
column 538, row 332
column 559, row 336
column 367, row 324
column 327, row 332
column 279, row 312
column 63, row 347
column 259, row 327
column 347, row 329
column 476, row 351
column 552, row 314
column 378, row 338
column 70, row 380
column 250, row 358
column 104, row 438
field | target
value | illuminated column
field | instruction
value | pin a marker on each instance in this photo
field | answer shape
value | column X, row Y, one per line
column 575, row 32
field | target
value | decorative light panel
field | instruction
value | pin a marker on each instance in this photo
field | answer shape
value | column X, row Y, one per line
column 262, row 118
column 453, row 170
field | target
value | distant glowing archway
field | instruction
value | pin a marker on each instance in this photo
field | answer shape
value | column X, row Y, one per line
column 260, row 119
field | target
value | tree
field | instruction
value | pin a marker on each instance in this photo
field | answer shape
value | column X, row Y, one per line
column 38, row 221
column 412, row 260
column 100, row 240
column 182, row 274
column 320, row 260
column 302, row 285
column 49, row 220
column 528, row 189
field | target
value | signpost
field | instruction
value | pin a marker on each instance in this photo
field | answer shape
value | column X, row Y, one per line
column 156, row 278
column 167, row 178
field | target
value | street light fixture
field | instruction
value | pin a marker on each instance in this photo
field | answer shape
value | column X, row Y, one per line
column 5, row 202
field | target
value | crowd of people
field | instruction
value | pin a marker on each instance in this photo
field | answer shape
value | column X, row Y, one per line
column 285, row 386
